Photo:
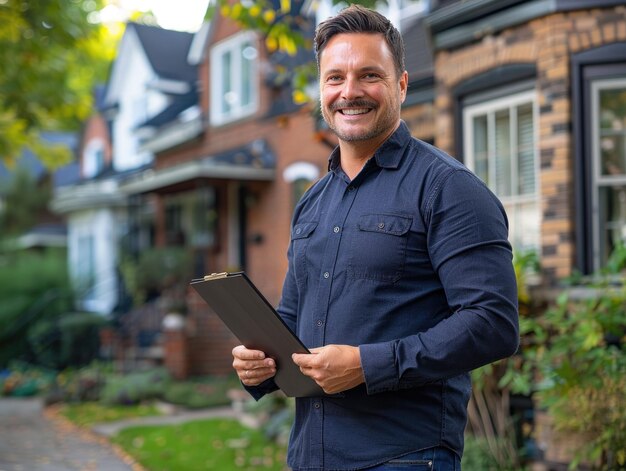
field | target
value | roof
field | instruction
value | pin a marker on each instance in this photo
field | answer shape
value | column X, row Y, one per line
column 167, row 51
column 64, row 175
column 177, row 105
column 255, row 161
column 418, row 50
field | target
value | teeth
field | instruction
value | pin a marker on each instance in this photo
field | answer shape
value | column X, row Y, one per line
column 353, row 112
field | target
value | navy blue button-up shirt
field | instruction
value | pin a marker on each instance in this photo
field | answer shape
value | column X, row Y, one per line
column 410, row 262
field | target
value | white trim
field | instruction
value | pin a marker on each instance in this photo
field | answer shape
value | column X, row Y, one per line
column 172, row 135
column 300, row 170
column 489, row 108
column 598, row 180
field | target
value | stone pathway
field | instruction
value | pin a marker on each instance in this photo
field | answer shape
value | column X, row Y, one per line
column 30, row 441
column 33, row 439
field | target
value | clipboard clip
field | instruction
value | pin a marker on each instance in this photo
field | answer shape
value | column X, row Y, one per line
column 215, row 276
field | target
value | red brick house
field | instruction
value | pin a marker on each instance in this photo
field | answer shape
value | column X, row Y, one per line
column 226, row 176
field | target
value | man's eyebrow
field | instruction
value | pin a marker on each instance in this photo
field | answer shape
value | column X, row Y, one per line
column 369, row 68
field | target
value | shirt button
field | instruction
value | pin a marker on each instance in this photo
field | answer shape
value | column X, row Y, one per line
column 350, row 188
column 336, row 229
column 326, row 274
column 317, row 405
column 298, row 231
column 381, row 225
column 319, row 323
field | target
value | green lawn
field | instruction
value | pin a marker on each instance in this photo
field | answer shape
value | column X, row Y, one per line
column 90, row 413
column 220, row 444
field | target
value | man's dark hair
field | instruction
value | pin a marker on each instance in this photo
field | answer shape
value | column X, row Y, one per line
column 358, row 19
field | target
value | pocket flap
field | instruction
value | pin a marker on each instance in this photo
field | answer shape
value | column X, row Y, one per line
column 385, row 223
column 302, row 230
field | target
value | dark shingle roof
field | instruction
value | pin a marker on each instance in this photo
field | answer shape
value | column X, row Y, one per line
column 418, row 50
column 177, row 105
column 167, row 51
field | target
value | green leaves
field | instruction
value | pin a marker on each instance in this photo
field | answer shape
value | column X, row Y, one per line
column 51, row 56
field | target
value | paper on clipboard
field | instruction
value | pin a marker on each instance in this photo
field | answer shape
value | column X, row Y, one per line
column 257, row 325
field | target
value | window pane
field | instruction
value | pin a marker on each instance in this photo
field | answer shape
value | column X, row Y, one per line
column 204, row 218
column 524, row 224
column 612, row 208
column 227, row 90
column 503, row 153
column 248, row 55
column 612, row 131
column 525, row 151
column 481, row 168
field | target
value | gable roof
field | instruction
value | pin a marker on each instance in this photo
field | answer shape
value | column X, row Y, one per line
column 167, row 51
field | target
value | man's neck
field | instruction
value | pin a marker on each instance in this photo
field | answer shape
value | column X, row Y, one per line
column 354, row 154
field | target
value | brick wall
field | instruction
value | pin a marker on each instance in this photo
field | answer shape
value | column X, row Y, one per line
column 421, row 120
column 549, row 43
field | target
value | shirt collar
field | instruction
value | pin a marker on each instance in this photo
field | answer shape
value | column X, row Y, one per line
column 388, row 155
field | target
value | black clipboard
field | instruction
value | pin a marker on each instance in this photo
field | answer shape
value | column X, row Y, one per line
column 257, row 325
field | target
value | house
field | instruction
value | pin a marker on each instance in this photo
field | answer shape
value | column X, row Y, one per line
column 48, row 230
column 149, row 72
column 530, row 95
column 228, row 193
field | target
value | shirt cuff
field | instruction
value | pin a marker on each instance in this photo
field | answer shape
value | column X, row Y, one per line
column 266, row 387
column 379, row 367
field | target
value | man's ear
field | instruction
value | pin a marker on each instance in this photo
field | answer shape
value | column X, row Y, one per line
column 404, row 85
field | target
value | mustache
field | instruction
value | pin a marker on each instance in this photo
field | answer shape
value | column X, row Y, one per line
column 352, row 104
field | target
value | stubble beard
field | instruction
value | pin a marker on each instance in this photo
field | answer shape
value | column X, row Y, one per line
column 379, row 127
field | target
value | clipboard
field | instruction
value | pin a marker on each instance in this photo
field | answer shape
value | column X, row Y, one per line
column 257, row 325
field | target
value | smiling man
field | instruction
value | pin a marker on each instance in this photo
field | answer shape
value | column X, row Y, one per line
column 400, row 275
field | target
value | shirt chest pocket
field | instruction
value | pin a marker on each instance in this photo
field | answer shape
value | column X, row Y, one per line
column 300, row 238
column 378, row 251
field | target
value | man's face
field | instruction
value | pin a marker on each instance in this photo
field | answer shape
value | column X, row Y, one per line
column 360, row 93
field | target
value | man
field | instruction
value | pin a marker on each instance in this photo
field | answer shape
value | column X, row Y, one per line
column 400, row 278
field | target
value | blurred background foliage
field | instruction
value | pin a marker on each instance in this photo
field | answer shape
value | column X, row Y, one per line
column 51, row 56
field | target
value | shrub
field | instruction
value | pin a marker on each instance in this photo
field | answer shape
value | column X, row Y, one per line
column 67, row 340
column 134, row 388
column 34, row 288
column 209, row 392
column 577, row 353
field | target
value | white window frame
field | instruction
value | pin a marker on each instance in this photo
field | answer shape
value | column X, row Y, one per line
column 490, row 107
column 599, row 180
column 233, row 46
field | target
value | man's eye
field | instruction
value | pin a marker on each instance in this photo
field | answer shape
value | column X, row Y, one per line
column 333, row 78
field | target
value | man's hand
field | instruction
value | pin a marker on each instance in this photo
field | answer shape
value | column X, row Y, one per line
column 335, row 368
column 251, row 366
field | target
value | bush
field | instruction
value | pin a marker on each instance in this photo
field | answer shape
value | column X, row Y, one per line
column 68, row 340
column 197, row 394
column 21, row 379
column 80, row 384
column 134, row 388
column 34, row 288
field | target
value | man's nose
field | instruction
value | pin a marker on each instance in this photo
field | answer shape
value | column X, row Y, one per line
column 351, row 88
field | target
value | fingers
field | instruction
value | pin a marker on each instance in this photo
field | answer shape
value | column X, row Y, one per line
column 251, row 366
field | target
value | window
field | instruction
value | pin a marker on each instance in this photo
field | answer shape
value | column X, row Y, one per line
column 86, row 274
column 599, row 127
column 500, row 150
column 301, row 175
column 191, row 218
column 608, row 115
column 93, row 158
column 234, row 81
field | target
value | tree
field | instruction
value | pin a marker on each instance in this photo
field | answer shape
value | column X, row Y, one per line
column 51, row 56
